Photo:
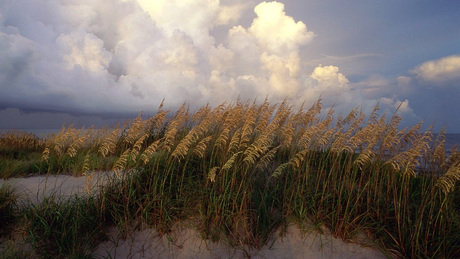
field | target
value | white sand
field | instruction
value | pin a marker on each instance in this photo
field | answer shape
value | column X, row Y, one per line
column 35, row 188
column 185, row 242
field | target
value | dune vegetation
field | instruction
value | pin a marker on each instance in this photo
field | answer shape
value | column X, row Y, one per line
column 241, row 171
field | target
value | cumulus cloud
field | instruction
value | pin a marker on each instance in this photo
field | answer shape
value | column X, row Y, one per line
column 440, row 71
column 331, row 85
column 109, row 56
column 266, row 55
column 276, row 32
column 402, row 106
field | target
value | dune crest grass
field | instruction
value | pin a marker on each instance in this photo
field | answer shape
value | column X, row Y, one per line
column 240, row 171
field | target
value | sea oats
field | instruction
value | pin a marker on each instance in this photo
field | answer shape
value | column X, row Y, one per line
column 366, row 155
column 212, row 174
column 20, row 139
column 222, row 139
column 86, row 164
column 121, row 162
column 233, row 118
column 343, row 134
column 138, row 146
column 252, row 153
column 234, row 142
column 298, row 158
column 370, row 134
column 110, row 142
column 45, row 154
column 267, row 158
column 324, row 141
column 373, row 117
column 407, row 160
column 265, row 111
column 352, row 131
column 447, row 182
column 265, row 139
column 229, row 163
column 438, row 155
column 173, row 126
column 135, row 130
column 350, row 118
column 76, row 144
column 248, row 126
column 200, row 148
column 60, row 141
column 391, row 137
column 154, row 124
column 310, row 117
column 182, row 148
column 224, row 129
column 407, row 139
column 315, row 133
column 148, row 152
column 292, row 125
column 89, row 183
column 195, row 134
column 201, row 114
column 279, row 170
column 288, row 131
column 339, row 141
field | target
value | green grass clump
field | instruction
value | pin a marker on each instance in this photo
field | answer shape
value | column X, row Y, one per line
column 20, row 153
column 70, row 228
column 146, row 198
column 8, row 207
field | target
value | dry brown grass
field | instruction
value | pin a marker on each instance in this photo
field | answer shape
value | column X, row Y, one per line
column 110, row 143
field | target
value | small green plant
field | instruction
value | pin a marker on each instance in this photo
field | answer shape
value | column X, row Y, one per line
column 58, row 228
column 13, row 249
column 19, row 153
column 8, row 206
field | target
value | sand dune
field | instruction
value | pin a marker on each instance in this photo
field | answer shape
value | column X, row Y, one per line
column 184, row 241
column 35, row 188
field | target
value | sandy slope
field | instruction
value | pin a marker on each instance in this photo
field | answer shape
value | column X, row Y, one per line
column 36, row 187
column 185, row 242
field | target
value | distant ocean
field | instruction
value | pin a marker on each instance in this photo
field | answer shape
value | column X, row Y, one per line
column 452, row 139
column 42, row 133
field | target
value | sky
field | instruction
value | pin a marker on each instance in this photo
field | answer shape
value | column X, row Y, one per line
column 97, row 61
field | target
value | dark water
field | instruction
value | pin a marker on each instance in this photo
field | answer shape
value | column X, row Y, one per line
column 42, row 133
column 452, row 140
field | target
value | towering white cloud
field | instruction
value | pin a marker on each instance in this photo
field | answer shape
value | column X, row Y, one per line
column 85, row 50
column 267, row 53
column 277, row 33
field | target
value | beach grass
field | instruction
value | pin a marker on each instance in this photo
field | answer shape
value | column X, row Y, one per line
column 8, row 205
column 242, row 171
column 64, row 228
